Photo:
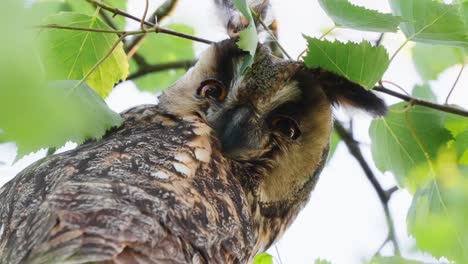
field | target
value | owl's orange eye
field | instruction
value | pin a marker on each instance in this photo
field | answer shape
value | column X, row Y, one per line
column 212, row 88
column 286, row 126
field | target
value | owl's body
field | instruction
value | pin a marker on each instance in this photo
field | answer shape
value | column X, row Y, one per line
column 155, row 190
column 215, row 173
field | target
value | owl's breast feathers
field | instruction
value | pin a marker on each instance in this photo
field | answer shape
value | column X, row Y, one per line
column 156, row 190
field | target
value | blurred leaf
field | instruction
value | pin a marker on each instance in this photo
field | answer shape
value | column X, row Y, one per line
column 455, row 123
column 160, row 48
column 463, row 9
column 437, row 217
column 334, row 140
column 431, row 22
column 424, row 92
column 460, row 145
column 83, row 7
column 431, row 60
column 345, row 14
column 71, row 54
column 393, row 260
column 248, row 38
column 34, row 113
column 263, row 258
column 51, row 114
column 361, row 63
column 45, row 8
column 321, row 261
column 394, row 146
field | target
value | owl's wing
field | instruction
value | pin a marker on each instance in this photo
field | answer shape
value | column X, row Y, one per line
column 153, row 191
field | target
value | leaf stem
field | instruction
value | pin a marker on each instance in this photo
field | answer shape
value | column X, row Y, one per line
column 455, row 83
column 394, row 84
column 398, row 50
column 145, row 13
column 100, row 61
column 320, row 38
column 416, row 101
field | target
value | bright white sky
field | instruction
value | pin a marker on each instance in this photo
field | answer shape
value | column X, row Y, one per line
column 344, row 221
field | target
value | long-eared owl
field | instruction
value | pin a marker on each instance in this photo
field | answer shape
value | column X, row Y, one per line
column 214, row 173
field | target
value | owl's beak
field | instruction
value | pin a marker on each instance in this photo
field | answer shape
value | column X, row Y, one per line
column 235, row 131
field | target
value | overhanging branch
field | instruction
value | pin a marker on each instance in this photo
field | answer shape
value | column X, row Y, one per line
column 147, row 69
column 416, row 101
column 384, row 196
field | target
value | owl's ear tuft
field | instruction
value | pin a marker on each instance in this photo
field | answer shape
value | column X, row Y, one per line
column 343, row 92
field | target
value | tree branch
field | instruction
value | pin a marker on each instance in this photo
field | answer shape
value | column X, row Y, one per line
column 161, row 13
column 146, row 69
column 384, row 196
column 157, row 29
column 107, row 19
column 416, row 101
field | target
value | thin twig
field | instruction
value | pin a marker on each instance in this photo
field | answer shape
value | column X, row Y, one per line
column 156, row 28
column 272, row 35
column 380, row 39
column 97, row 30
column 391, row 191
column 416, row 101
column 161, row 13
column 384, row 198
column 145, row 13
column 394, row 84
column 455, row 83
column 398, row 51
column 185, row 64
column 278, row 254
column 108, row 20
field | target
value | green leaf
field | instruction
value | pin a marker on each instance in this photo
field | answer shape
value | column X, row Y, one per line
column 84, row 7
column 431, row 60
column 248, row 38
column 71, row 54
column 401, row 140
column 437, row 216
column 159, row 49
column 345, row 14
column 33, row 113
column 334, row 140
column 321, row 261
column 424, row 92
column 263, row 258
column 431, row 22
column 361, row 63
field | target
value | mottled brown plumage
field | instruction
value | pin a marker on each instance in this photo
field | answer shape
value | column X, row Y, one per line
column 213, row 174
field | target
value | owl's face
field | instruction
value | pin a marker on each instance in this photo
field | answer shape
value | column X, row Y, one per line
column 274, row 106
column 277, row 116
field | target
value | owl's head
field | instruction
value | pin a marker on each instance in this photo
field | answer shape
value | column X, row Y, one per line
column 275, row 119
